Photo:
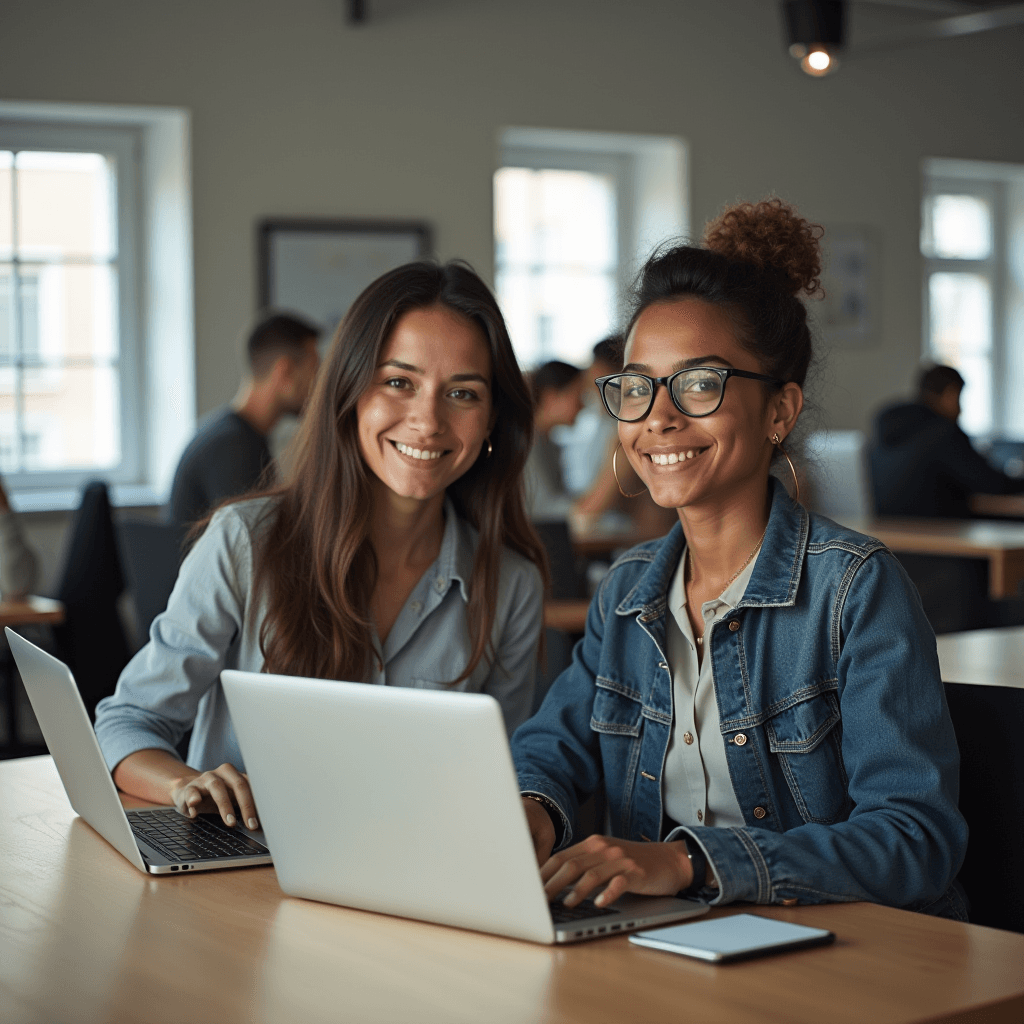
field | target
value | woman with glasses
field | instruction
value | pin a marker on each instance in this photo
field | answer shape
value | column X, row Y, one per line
column 757, row 694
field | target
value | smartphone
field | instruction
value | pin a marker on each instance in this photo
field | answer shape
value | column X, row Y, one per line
column 738, row 937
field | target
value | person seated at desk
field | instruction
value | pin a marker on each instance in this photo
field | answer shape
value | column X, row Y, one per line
column 398, row 552
column 922, row 463
column 758, row 692
column 19, row 564
column 557, row 400
column 229, row 454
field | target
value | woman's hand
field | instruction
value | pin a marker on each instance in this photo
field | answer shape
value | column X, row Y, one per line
column 221, row 789
column 616, row 866
column 542, row 829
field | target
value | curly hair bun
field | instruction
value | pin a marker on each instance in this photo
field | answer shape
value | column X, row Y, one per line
column 771, row 235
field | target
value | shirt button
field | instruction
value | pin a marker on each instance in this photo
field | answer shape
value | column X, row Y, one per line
column 700, row 815
column 439, row 583
column 687, row 738
column 740, row 739
column 733, row 626
column 759, row 813
column 416, row 605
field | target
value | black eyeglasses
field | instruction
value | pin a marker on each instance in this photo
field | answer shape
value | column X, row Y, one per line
column 697, row 391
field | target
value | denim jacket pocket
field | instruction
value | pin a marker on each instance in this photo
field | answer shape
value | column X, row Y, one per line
column 616, row 711
column 806, row 739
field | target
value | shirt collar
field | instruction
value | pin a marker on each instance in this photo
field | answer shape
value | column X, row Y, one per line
column 775, row 576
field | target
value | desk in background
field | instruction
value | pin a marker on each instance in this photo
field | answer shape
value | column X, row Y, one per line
column 28, row 611
column 1001, row 544
column 985, row 657
column 85, row 937
column 1008, row 506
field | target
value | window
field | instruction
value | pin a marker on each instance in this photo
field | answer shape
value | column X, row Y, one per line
column 60, row 285
column 972, row 222
column 575, row 214
column 93, row 202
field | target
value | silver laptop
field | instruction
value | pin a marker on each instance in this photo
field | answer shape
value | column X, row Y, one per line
column 157, row 840
column 405, row 802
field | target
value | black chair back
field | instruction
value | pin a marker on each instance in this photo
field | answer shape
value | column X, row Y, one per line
column 989, row 723
column 91, row 640
column 151, row 552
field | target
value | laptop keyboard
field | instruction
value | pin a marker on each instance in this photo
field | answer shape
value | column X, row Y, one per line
column 561, row 914
column 191, row 839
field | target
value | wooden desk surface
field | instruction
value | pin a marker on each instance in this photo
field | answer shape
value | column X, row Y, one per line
column 570, row 616
column 85, row 937
column 1010, row 505
column 1001, row 543
column 31, row 610
column 986, row 657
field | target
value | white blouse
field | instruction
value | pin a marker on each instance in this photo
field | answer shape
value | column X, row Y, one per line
column 696, row 785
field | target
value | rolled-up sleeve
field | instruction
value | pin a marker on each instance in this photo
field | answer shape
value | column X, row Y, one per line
column 159, row 692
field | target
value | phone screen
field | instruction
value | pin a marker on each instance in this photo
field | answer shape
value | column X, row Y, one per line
column 732, row 938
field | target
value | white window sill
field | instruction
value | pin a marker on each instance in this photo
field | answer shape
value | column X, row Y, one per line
column 66, row 500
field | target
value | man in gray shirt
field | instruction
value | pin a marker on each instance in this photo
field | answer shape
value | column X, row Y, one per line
column 229, row 455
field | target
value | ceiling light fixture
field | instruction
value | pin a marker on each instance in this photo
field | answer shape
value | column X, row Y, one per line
column 815, row 30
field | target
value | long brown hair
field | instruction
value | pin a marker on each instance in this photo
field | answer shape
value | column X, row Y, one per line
column 314, row 567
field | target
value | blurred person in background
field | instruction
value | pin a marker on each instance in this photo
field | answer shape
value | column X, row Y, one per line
column 922, row 463
column 19, row 565
column 557, row 389
column 587, row 444
column 229, row 455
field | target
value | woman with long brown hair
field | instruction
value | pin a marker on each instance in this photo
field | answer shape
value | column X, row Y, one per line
column 399, row 551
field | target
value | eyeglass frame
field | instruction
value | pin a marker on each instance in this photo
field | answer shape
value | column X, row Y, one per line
column 724, row 374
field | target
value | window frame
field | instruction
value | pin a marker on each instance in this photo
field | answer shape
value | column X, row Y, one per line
column 988, row 184
column 123, row 144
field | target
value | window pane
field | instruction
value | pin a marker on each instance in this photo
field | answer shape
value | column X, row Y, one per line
column 961, row 336
column 961, row 315
column 64, row 205
column 556, row 250
column 957, row 227
column 6, row 162
column 557, row 314
column 70, row 419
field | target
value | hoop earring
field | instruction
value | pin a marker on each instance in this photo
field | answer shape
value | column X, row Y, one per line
column 777, row 442
column 615, row 473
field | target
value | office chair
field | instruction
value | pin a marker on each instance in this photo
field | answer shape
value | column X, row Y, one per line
column 151, row 553
column 989, row 721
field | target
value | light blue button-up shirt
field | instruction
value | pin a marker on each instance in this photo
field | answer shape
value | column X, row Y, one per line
column 173, row 684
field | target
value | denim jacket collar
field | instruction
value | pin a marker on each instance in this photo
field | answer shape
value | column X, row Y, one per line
column 776, row 575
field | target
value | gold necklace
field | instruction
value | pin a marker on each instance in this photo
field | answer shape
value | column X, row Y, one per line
column 746, row 562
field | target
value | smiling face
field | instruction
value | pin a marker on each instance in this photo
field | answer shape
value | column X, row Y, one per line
column 427, row 412
column 710, row 460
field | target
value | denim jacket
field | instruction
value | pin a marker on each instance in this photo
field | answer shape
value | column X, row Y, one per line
column 838, row 739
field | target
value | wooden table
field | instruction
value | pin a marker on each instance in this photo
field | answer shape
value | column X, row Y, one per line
column 1002, row 544
column 1008, row 505
column 568, row 616
column 987, row 657
column 84, row 937
column 27, row 611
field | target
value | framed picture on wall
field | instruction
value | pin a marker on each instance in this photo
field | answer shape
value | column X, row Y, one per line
column 848, row 315
column 316, row 267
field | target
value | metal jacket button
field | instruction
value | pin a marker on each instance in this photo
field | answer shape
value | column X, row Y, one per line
column 733, row 626
column 759, row 813
column 687, row 738
column 789, row 903
column 740, row 739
